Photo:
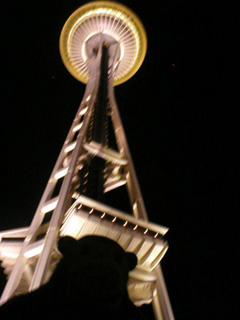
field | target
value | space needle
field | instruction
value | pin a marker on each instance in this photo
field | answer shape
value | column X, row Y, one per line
column 102, row 44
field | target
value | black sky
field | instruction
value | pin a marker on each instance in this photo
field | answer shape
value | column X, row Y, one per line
column 180, row 116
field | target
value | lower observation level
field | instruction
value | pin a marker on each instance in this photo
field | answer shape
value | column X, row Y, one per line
column 107, row 21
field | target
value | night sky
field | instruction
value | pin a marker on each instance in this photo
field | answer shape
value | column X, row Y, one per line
column 180, row 116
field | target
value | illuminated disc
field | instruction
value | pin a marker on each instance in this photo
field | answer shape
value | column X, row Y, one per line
column 111, row 19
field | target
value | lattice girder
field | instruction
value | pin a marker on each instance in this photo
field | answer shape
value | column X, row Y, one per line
column 29, row 255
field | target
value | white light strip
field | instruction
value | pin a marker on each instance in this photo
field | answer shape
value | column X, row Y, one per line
column 77, row 127
column 114, row 185
column 50, row 205
column 61, row 173
column 12, row 254
column 70, row 147
column 105, row 153
column 83, row 111
column 34, row 251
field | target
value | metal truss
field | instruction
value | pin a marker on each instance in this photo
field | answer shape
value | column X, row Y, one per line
column 30, row 254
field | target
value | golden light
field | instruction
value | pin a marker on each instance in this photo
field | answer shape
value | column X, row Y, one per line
column 109, row 18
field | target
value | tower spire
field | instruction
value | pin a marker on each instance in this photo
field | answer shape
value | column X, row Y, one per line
column 102, row 44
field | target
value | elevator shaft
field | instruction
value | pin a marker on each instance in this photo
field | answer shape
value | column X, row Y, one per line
column 93, row 174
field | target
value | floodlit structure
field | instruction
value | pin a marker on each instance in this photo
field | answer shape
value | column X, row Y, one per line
column 102, row 44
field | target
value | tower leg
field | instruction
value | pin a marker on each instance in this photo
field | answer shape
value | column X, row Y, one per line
column 85, row 150
column 161, row 302
column 57, row 205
